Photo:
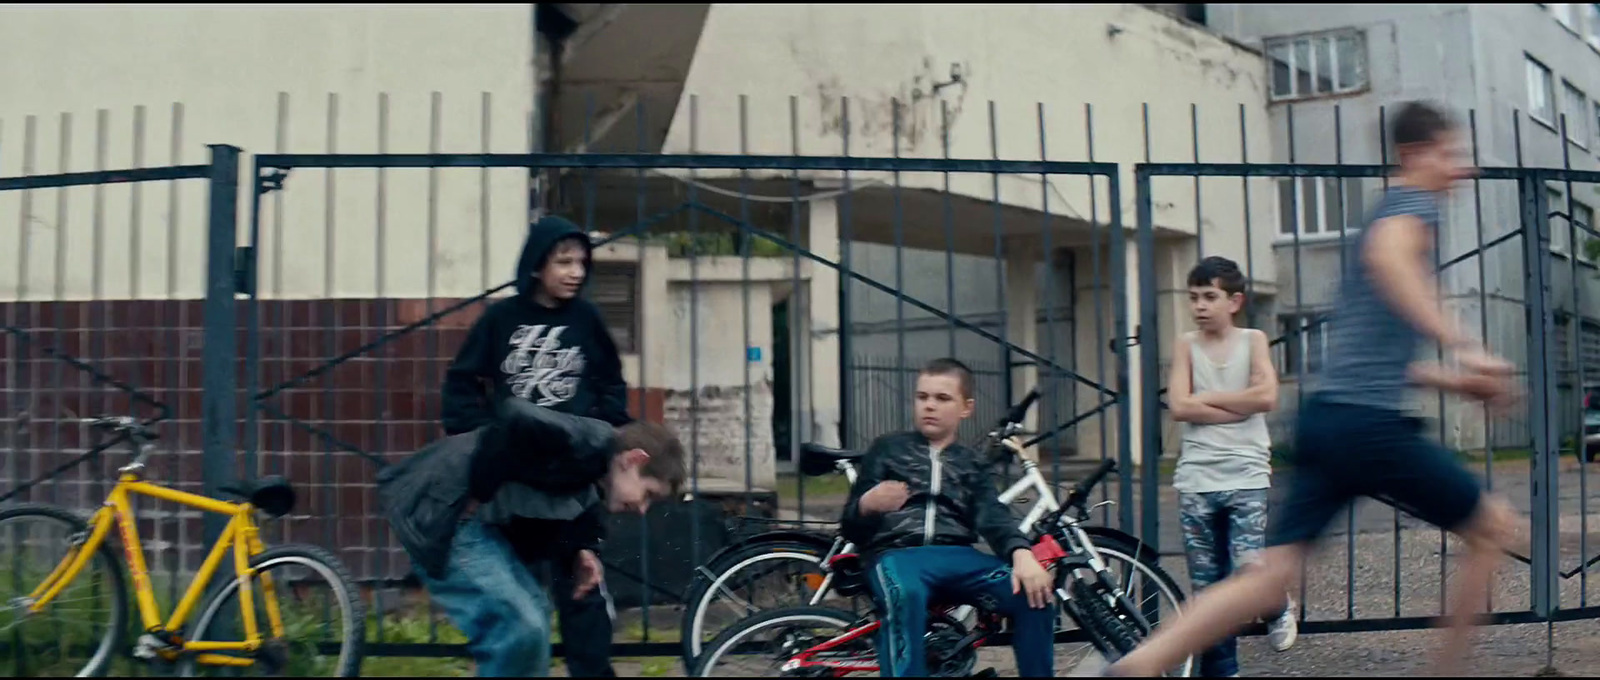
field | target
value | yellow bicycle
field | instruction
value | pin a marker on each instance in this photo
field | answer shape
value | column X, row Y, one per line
column 40, row 584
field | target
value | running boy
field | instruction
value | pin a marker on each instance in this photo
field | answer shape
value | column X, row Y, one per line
column 1222, row 383
column 920, row 503
column 1353, row 438
column 550, row 347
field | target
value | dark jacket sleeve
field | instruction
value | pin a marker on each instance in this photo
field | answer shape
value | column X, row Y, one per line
column 466, row 406
column 588, row 531
column 611, row 402
column 856, row 527
column 993, row 521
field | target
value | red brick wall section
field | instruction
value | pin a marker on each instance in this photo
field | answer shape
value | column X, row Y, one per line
column 385, row 402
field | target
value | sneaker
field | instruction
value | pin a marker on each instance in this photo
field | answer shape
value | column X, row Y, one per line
column 1282, row 631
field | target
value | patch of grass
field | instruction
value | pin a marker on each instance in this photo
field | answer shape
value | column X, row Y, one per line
column 789, row 485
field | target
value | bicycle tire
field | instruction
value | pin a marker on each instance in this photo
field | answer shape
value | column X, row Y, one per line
column 331, row 568
column 691, row 628
column 732, row 635
column 117, row 628
column 1101, row 620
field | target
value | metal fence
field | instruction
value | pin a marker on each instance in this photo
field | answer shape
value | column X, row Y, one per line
column 759, row 300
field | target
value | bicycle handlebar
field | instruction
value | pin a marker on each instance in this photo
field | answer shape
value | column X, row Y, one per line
column 1020, row 411
column 1080, row 491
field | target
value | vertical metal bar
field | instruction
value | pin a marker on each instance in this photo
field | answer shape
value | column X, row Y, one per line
column 745, row 235
column 1383, row 150
column 217, row 419
column 59, row 290
column 1050, row 380
column 1516, row 136
column 1000, row 268
column 1483, row 311
column 1350, row 512
column 1117, row 344
column 799, row 342
column 1576, row 347
column 1148, row 403
column 177, row 319
column 380, row 321
column 903, row 404
column 694, row 334
column 1199, row 228
column 1251, row 307
column 1119, row 321
column 1149, row 357
column 24, row 278
column 949, row 229
column 641, row 349
column 1545, row 467
column 330, row 324
column 283, row 319
column 1299, row 308
column 847, row 401
column 434, row 393
column 97, row 321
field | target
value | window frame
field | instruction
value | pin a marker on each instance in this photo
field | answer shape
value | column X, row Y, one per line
column 1352, row 211
column 1577, row 121
column 1311, row 41
column 1533, row 67
column 1564, row 14
column 613, row 311
column 1297, row 343
column 1591, row 21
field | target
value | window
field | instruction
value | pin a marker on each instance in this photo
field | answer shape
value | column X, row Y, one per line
column 614, row 288
column 1563, row 13
column 1591, row 15
column 1304, row 343
column 1573, row 103
column 1541, row 96
column 1583, row 217
column 1332, row 62
column 1315, row 202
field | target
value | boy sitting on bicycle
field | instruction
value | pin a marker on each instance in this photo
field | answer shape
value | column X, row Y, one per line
column 916, row 511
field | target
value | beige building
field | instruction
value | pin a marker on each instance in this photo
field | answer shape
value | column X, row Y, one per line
column 136, row 86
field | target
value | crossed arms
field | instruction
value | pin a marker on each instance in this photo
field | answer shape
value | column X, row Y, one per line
column 1212, row 408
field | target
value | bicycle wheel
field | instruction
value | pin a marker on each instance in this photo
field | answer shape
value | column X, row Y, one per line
column 752, row 579
column 89, row 617
column 324, row 623
column 762, row 645
column 1138, row 573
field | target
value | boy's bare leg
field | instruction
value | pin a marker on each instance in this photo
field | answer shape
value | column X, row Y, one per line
column 1216, row 613
column 1486, row 535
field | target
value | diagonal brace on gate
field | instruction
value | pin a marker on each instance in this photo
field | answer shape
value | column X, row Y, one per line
column 901, row 296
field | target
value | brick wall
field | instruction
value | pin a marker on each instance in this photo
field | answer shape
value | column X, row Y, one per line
column 384, row 402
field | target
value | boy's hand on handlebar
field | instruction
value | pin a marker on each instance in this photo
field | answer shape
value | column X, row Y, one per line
column 1028, row 576
column 885, row 497
column 587, row 573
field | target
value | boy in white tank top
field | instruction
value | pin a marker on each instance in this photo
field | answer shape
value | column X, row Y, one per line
column 1221, row 386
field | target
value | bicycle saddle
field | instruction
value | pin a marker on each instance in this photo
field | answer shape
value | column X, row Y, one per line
column 272, row 494
column 817, row 460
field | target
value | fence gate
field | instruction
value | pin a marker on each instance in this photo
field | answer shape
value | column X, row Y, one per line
column 1506, row 253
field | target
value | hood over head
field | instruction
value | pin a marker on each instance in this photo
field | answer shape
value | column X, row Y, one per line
column 542, row 237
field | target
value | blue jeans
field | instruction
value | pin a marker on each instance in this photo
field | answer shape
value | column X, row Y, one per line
column 496, row 602
column 1222, row 530
column 904, row 581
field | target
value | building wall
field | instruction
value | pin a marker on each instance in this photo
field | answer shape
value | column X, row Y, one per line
column 1470, row 58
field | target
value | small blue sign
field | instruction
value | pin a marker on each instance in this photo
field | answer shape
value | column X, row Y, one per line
column 752, row 353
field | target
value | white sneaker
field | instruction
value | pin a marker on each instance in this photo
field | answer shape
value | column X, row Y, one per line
column 1282, row 631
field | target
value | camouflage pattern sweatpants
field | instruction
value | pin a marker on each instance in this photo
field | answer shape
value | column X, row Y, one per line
column 1222, row 530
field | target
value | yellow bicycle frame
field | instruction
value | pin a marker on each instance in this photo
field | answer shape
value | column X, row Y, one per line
column 240, row 535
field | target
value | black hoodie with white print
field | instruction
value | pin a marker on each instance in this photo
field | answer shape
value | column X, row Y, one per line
column 561, row 358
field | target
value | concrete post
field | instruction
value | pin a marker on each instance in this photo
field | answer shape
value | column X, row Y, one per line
column 823, row 324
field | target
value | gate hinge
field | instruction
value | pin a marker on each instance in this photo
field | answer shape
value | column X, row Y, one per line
column 244, row 270
column 270, row 181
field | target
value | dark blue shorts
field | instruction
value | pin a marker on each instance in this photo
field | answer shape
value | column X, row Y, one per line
column 1343, row 452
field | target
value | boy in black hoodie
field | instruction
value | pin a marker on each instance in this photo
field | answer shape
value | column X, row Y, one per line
column 550, row 347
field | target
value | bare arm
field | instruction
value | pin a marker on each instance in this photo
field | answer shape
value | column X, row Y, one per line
column 1180, row 392
column 1431, row 374
column 1262, row 395
column 1394, row 253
